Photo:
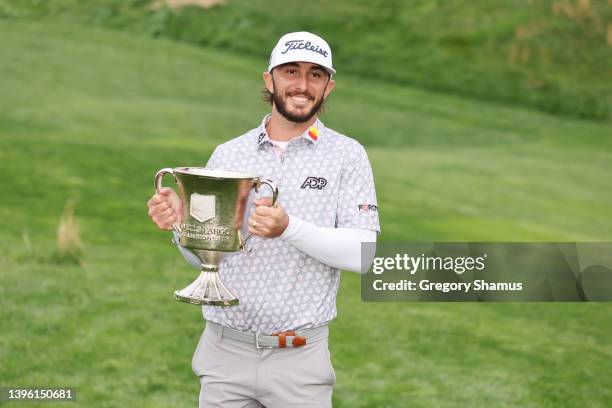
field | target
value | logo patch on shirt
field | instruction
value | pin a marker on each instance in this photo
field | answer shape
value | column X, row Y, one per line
column 366, row 208
column 261, row 136
column 313, row 132
column 314, row 182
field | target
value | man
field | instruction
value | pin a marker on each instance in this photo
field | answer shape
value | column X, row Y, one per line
column 272, row 350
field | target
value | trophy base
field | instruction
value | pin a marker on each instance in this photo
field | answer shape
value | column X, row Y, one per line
column 207, row 290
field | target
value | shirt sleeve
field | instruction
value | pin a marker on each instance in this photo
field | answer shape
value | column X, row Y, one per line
column 337, row 247
column 214, row 161
column 189, row 256
column 357, row 204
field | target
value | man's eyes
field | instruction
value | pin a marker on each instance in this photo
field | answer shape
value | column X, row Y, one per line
column 313, row 74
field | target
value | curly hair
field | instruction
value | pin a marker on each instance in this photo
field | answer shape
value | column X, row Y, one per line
column 266, row 95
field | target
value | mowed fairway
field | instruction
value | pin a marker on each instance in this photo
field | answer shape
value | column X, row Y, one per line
column 87, row 116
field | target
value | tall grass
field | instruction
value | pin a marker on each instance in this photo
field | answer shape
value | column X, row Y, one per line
column 69, row 243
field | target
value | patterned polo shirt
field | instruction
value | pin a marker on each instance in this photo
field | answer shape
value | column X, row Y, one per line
column 324, row 178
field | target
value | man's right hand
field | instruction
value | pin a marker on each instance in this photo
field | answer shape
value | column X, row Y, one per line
column 165, row 208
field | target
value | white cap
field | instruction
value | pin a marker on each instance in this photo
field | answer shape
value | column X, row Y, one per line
column 302, row 46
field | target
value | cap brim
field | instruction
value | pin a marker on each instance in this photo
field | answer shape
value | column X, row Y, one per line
column 331, row 71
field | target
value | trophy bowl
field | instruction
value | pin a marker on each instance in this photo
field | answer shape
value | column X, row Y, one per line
column 213, row 202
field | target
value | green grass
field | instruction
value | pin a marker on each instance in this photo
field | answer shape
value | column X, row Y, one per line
column 553, row 55
column 90, row 115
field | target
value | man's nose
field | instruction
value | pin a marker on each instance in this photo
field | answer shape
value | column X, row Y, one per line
column 302, row 82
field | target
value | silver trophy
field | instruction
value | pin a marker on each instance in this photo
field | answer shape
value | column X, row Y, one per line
column 214, row 202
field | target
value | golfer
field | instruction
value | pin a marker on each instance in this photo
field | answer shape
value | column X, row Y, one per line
column 272, row 349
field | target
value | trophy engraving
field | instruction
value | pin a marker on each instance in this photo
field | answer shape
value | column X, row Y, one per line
column 213, row 202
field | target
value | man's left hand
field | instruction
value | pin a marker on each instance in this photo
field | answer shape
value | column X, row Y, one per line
column 268, row 221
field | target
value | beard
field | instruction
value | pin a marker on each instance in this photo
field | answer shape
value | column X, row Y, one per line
column 281, row 103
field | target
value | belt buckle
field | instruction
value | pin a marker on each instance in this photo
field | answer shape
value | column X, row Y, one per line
column 259, row 346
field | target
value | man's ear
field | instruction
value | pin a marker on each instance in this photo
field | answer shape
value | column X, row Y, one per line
column 267, row 77
column 330, row 87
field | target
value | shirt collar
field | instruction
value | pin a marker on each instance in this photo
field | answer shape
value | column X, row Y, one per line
column 312, row 134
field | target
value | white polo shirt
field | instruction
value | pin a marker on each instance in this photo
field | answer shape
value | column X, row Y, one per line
column 324, row 178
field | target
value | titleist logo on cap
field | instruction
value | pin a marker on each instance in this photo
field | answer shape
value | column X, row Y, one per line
column 301, row 45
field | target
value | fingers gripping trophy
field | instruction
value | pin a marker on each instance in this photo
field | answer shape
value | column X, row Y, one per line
column 212, row 205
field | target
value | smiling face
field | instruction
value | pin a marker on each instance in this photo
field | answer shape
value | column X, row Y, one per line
column 298, row 89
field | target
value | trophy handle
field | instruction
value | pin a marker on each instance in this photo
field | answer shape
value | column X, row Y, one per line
column 256, row 186
column 159, row 175
column 158, row 186
column 271, row 184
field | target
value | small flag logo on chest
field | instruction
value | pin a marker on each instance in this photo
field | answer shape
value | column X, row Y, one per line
column 313, row 132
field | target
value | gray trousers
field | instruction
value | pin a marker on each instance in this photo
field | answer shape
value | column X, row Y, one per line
column 238, row 375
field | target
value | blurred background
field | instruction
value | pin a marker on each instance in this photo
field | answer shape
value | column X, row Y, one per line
column 484, row 121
